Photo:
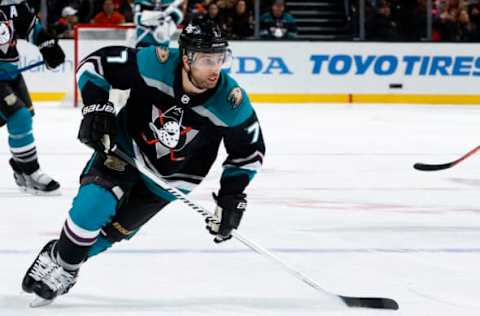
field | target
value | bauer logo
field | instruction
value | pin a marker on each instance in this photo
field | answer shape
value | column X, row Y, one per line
column 389, row 65
column 248, row 65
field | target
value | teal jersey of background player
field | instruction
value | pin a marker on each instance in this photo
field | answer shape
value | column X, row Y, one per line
column 22, row 23
column 156, row 21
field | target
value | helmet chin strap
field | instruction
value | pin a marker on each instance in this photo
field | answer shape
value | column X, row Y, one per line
column 189, row 74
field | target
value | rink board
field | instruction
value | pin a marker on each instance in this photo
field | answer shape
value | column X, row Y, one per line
column 317, row 72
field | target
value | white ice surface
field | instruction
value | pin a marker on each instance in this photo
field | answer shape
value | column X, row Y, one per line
column 338, row 199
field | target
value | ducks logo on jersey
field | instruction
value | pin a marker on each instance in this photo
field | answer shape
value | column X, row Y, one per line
column 169, row 135
column 162, row 54
column 235, row 97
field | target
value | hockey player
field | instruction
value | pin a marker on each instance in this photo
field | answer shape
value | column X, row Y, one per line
column 181, row 106
column 156, row 21
column 18, row 20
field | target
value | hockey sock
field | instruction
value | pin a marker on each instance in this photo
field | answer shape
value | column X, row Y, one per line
column 21, row 141
column 92, row 208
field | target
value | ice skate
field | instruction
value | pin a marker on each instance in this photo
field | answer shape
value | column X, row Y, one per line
column 37, row 183
column 46, row 278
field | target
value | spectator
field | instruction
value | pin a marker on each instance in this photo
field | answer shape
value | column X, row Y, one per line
column 419, row 28
column 54, row 10
column 474, row 13
column 225, row 3
column 117, row 4
column 126, row 9
column 196, row 8
column 380, row 26
column 108, row 15
column 436, row 22
column 242, row 21
column 277, row 24
column 466, row 31
column 191, row 4
column 410, row 18
column 65, row 25
column 212, row 13
column 447, row 18
column 226, row 8
column 87, row 10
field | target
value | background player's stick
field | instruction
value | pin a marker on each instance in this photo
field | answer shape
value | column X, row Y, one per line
column 434, row 167
column 12, row 74
column 367, row 302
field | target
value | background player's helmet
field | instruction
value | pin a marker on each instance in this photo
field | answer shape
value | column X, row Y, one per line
column 202, row 36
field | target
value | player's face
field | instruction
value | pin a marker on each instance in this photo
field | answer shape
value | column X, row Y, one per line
column 205, row 69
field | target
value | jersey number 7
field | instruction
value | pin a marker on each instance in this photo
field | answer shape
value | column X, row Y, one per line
column 255, row 130
column 118, row 59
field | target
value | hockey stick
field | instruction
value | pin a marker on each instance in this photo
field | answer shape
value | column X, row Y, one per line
column 434, row 167
column 367, row 302
column 12, row 74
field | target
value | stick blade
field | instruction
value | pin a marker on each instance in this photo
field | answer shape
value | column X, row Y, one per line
column 370, row 302
column 427, row 167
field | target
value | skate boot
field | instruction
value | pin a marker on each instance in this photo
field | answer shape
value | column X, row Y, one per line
column 46, row 278
column 18, row 175
column 41, row 183
column 36, row 183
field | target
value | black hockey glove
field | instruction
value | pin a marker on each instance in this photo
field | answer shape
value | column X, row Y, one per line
column 228, row 214
column 99, row 127
column 52, row 53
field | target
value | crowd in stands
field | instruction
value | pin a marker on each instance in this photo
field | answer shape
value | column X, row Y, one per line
column 386, row 20
column 235, row 17
column 396, row 20
column 457, row 20
column 406, row 20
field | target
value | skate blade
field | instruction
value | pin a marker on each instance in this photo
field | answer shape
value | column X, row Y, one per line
column 56, row 192
column 39, row 302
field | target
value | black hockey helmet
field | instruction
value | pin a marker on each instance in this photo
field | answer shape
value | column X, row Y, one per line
column 202, row 35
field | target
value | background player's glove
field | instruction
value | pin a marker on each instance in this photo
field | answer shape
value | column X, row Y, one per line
column 164, row 31
column 229, row 213
column 99, row 127
column 151, row 18
column 52, row 53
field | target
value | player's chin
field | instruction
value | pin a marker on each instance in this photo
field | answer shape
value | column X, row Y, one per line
column 210, row 84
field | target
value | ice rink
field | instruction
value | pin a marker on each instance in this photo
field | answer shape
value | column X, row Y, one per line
column 337, row 198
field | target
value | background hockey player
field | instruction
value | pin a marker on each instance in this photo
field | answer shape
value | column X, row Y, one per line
column 156, row 21
column 181, row 106
column 18, row 20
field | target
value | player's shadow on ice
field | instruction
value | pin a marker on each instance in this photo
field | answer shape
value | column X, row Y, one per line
column 269, row 303
column 75, row 302
column 469, row 182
